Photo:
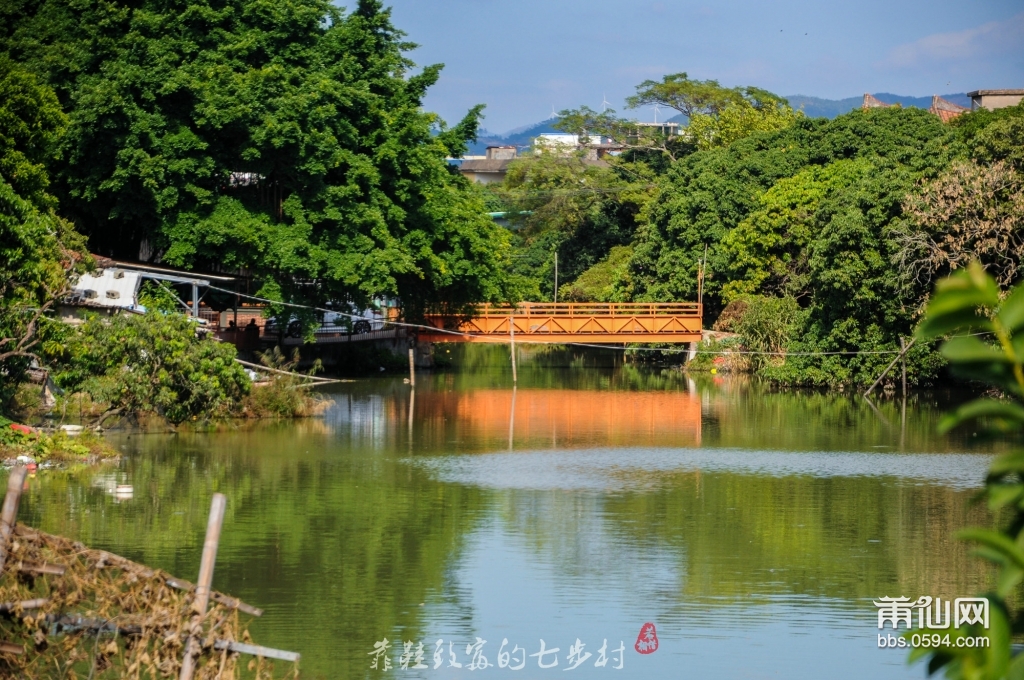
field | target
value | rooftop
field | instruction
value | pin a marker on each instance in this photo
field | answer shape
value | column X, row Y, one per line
column 985, row 93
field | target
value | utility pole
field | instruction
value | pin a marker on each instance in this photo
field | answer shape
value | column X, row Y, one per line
column 556, row 276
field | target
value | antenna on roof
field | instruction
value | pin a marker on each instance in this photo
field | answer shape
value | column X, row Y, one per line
column 604, row 102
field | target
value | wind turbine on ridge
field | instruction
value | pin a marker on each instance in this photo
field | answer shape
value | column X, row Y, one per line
column 604, row 102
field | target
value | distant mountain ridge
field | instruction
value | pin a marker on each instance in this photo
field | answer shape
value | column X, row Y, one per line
column 816, row 107
column 521, row 136
column 813, row 107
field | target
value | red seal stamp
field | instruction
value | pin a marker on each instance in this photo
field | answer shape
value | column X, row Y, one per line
column 647, row 640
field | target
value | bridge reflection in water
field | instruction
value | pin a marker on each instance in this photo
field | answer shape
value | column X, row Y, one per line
column 597, row 322
column 497, row 419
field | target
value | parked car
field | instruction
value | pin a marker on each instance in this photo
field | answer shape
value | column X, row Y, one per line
column 333, row 322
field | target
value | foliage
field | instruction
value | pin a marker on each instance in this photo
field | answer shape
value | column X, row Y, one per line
column 31, row 123
column 970, row 212
column 39, row 251
column 1002, row 125
column 281, row 396
column 88, row 447
column 716, row 117
column 986, row 346
column 719, row 356
column 579, row 208
column 707, row 194
column 820, row 233
column 597, row 284
column 287, row 138
column 688, row 97
column 640, row 141
column 766, row 326
column 155, row 296
column 1003, row 140
column 150, row 363
column 758, row 112
column 769, row 250
column 554, row 190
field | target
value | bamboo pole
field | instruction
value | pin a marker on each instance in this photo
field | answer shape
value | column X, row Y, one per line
column 903, row 360
column 888, row 368
column 259, row 367
column 412, row 367
column 256, row 650
column 9, row 514
column 202, row 599
column 512, row 341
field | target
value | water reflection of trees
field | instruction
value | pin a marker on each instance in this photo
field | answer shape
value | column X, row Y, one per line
column 726, row 539
column 338, row 545
column 340, row 538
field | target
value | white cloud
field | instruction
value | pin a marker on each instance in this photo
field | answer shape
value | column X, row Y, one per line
column 988, row 39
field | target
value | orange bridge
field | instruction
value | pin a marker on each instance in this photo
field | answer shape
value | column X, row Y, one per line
column 593, row 322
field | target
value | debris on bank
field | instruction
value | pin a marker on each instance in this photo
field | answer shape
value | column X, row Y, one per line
column 75, row 611
column 24, row 445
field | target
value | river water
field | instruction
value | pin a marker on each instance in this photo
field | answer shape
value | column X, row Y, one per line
column 752, row 527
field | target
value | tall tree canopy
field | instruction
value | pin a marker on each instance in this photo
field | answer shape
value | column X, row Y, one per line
column 286, row 137
column 37, row 249
column 688, row 97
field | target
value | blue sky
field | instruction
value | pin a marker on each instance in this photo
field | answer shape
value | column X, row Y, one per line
column 523, row 57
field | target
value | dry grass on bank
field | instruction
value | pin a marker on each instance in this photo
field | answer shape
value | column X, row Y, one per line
column 81, row 613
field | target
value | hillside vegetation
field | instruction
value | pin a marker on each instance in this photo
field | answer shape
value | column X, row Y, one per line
column 852, row 219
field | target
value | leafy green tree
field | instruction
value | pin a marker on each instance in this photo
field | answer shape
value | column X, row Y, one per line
column 828, row 232
column 151, row 363
column 578, row 207
column 986, row 346
column 156, row 296
column 38, row 250
column 768, row 251
column 286, row 138
column 597, row 284
column 31, row 123
column 761, row 112
column 714, row 120
column 688, row 97
column 1003, row 140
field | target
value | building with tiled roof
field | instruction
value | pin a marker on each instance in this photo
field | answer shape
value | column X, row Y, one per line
column 946, row 110
column 873, row 102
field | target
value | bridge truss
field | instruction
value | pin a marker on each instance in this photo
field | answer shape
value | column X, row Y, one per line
column 564, row 322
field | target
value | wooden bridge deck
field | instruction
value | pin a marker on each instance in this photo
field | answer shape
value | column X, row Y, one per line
column 595, row 323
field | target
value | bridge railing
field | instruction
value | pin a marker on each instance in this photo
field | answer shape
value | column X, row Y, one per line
column 588, row 309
